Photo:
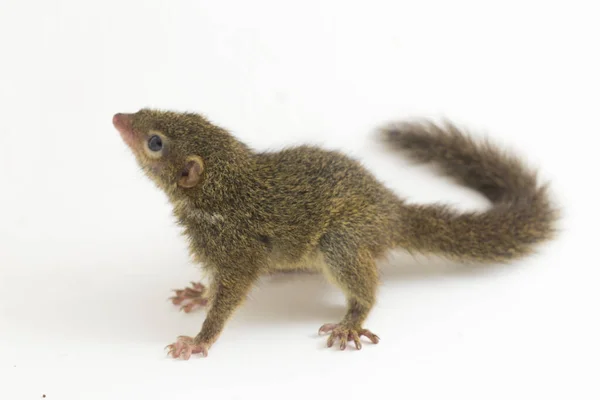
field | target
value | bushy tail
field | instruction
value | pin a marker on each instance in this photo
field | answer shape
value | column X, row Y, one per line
column 520, row 218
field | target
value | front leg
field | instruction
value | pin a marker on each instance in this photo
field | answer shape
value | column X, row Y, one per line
column 230, row 290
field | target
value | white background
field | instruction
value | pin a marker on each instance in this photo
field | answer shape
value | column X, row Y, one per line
column 90, row 251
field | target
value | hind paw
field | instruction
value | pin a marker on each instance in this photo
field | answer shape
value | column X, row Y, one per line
column 346, row 334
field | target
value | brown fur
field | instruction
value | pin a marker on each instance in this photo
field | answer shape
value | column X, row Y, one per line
column 521, row 214
column 248, row 213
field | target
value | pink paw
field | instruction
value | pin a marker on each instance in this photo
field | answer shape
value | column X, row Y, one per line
column 184, row 347
column 191, row 296
column 345, row 334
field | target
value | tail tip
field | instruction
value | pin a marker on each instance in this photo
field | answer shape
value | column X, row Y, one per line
column 392, row 133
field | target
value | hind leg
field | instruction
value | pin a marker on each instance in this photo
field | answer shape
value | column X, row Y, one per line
column 353, row 270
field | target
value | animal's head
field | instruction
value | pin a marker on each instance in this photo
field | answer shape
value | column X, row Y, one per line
column 176, row 150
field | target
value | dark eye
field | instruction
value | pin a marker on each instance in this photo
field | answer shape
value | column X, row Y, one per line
column 155, row 143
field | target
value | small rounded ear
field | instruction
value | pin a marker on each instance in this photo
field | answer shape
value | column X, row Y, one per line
column 191, row 174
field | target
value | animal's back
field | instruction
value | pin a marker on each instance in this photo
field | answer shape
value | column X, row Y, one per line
column 312, row 191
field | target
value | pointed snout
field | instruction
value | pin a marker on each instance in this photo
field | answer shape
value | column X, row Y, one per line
column 123, row 123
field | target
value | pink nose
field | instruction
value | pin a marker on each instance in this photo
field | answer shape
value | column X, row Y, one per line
column 122, row 123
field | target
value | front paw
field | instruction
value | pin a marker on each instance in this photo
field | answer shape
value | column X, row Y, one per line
column 193, row 297
column 185, row 346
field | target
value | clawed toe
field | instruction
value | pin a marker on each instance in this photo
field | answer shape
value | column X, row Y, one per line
column 327, row 328
column 372, row 337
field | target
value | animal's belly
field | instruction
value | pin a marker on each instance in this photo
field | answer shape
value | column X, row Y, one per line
column 310, row 261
